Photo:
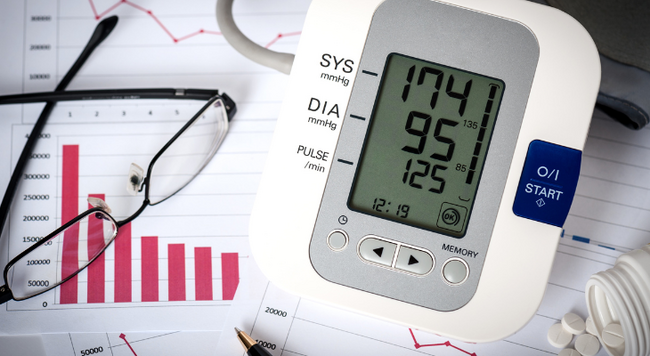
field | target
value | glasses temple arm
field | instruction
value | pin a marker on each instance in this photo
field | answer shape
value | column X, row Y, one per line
column 110, row 94
column 101, row 31
column 231, row 107
column 5, row 294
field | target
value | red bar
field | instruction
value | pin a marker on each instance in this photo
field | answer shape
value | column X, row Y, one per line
column 149, row 268
column 123, row 281
column 176, row 271
column 229, row 275
column 69, row 210
column 96, row 279
column 203, row 273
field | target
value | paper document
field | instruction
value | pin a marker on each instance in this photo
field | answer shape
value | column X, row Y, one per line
column 178, row 265
column 135, row 306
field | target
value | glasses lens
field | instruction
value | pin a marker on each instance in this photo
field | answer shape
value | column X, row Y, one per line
column 189, row 152
column 61, row 256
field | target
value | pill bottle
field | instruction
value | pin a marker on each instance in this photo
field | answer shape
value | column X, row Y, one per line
column 621, row 295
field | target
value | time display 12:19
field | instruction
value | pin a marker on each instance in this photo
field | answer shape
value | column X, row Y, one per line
column 382, row 206
column 426, row 144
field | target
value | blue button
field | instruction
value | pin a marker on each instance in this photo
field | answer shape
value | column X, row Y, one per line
column 548, row 183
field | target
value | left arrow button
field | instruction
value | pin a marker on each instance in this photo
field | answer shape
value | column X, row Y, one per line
column 376, row 250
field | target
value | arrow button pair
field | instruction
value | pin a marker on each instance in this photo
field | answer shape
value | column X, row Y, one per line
column 409, row 259
column 379, row 251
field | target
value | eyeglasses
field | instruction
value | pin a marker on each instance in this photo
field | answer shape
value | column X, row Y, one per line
column 177, row 163
column 172, row 168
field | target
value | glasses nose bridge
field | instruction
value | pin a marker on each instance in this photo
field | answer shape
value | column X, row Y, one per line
column 99, row 203
column 135, row 179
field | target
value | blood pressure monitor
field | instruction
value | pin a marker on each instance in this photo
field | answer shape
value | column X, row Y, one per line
column 425, row 159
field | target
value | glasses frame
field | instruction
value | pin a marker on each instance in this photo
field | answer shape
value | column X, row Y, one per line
column 47, row 238
column 197, row 94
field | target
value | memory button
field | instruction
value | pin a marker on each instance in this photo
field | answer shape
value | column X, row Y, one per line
column 455, row 271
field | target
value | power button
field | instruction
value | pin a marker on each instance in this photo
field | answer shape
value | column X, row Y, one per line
column 548, row 183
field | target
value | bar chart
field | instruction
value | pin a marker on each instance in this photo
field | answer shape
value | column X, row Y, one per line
column 149, row 257
column 180, row 251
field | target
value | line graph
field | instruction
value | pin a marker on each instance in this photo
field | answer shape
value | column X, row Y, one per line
column 282, row 35
column 100, row 15
column 590, row 241
column 446, row 344
column 123, row 337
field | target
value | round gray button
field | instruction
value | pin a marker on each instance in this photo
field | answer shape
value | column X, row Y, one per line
column 337, row 240
column 455, row 271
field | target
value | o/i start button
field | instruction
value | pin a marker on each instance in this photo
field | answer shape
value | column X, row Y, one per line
column 548, row 183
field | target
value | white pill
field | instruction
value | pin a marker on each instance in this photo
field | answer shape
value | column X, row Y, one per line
column 573, row 323
column 587, row 345
column 613, row 335
column 558, row 337
column 569, row 352
column 590, row 326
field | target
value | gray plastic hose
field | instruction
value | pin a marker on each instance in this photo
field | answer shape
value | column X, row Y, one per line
column 242, row 44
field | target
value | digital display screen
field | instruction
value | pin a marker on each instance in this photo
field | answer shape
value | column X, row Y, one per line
column 426, row 145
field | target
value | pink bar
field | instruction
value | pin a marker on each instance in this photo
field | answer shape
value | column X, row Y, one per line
column 96, row 279
column 123, row 265
column 149, row 268
column 229, row 275
column 203, row 273
column 69, row 210
column 176, row 271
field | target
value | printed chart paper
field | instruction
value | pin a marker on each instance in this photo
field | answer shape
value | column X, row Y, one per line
column 179, row 264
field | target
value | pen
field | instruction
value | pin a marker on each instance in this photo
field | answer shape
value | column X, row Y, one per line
column 252, row 348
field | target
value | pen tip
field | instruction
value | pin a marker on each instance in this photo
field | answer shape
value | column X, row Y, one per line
column 237, row 330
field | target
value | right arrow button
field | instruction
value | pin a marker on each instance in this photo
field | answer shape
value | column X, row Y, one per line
column 414, row 260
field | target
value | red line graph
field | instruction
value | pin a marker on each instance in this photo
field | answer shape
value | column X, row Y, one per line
column 99, row 15
column 282, row 35
column 446, row 344
column 123, row 337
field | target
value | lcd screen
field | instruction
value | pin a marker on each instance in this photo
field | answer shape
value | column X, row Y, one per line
column 426, row 145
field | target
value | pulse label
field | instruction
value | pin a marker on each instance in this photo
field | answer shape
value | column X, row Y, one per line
column 315, row 158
